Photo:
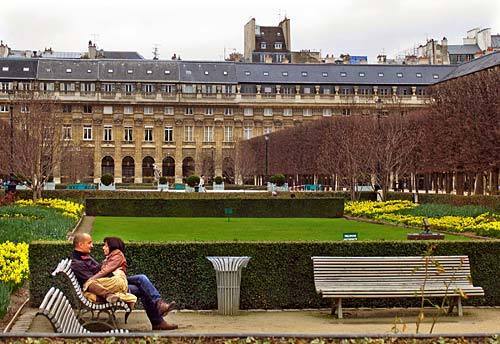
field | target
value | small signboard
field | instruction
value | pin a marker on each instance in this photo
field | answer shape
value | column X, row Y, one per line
column 350, row 236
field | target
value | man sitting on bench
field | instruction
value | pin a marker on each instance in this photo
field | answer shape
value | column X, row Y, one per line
column 85, row 266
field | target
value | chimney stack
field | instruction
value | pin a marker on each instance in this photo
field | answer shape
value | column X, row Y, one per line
column 92, row 50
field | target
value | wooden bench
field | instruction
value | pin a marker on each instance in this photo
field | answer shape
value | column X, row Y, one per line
column 87, row 306
column 56, row 307
column 387, row 277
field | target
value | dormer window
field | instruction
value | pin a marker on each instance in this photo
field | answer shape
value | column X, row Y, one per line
column 435, row 76
column 399, row 75
column 381, row 75
column 188, row 72
column 266, row 73
column 48, row 70
column 419, row 75
column 284, row 73
column 247, row 73
column 278, row 33
column 263, row 45
column 5, row 69
column 343, row 74
column 224, row 72
column 361, row 74
column 26, row 69
column 206, row 72
column 304, row 73
column 130, row 71
column 89, row 71
column 149, row 72
column 68, row 70
column 110, row 71
column 167, row 72
column 325, row 74
column 278, row 45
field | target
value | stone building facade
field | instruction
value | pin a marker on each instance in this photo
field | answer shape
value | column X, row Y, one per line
column 187, row 116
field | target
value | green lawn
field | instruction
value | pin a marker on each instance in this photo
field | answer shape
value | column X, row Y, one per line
column 243, row 229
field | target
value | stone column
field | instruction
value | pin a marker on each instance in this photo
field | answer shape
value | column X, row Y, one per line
column 179, row 139
column 138, row 138
column 97, row 137
column 118, row 138
column 219, row 138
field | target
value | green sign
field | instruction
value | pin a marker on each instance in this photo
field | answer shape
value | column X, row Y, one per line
column 350, row 236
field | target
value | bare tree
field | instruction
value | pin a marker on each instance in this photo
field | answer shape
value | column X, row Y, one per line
column 36, row 139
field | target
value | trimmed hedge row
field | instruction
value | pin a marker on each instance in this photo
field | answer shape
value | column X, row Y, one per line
column 279, row 275
column 270, row 207
column 81, row 195
column 492, row 202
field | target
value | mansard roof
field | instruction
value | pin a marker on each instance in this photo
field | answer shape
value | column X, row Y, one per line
column 207, row 72
column 483, row 62
column 138, row 71
column 11, row 68
column 84, row 70
column 341, row 74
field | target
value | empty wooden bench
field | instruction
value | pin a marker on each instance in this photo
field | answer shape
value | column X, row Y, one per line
column 87, row 306
column 56, row 307
column 392, row 277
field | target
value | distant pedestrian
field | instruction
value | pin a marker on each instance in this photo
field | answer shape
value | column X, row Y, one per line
column 202, row 184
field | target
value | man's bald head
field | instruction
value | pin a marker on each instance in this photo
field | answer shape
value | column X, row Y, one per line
column 82, row 242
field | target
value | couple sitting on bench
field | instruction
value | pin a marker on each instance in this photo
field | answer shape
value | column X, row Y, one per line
column 108, row 281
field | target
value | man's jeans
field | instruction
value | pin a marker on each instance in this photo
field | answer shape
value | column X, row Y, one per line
column 141, row 286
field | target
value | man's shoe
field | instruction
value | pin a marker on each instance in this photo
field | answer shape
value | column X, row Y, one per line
column 111, row 298
column 164, row 326
column 163, row 307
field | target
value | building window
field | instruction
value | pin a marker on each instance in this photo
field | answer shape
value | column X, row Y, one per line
column 67, row 134
column 268, row 112
column 265, row 73
column 169, row 134
column 287, row 112
column 5, row 69
column 362, row 74
column 169, row 89
column 24, row 108
column 306, row 90
column 128, row 110
column 247, row 73
column 87, row 132
column 287, row 90
column 46, row 86
column 207, row 89
column 284, row 73
column 247, row 133
column 247, row 112
column 108, row 88
column 343, row 74
column 307, row 112
column 228, row 134
column 384, row 91
column 188, row 89
column 188, row 133
column 188, row 111
column 87, row 109
column 364, row 91
column 224, row 72
column 148, row 88
column 209, row 111
column 324, row 74
column 68, row 70
column 420, row 92
column 419, row 75
column 169, row 110
column 346, row 112
column 228, row 89
column 148, row 110
column 129, row 88
column 304, row 74
column 108, row 133
column 149, row 72
column 345, row 91
column 263, row 45
column 167, row 72
column 405, row 92
column 268, row 130
column 87, row 87
column 129, row 71
column 107, row 110
column 4, row 108
column 278, row 45
column 268, row 89
column 228, row 111
column 327, row 90
column 110, row 71
column 208, row 134
column 435, row 76
column 67, row 87
column 67, row 108
column 128, row 134
column 399, row 75
column 148, row 134
column 381, row 75
column 327, row 112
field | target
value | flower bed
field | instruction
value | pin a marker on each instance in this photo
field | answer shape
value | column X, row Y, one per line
column 440, row 217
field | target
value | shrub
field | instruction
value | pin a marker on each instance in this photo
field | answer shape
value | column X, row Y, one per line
column 492, row 202
column 5, row 292
column 163, row 180
column 107, row 179
column 218, row 180
column 7, row 199
column 278, row 179
column 268, row 207
column 279, row 275
column 192, row 181
column 13, row 264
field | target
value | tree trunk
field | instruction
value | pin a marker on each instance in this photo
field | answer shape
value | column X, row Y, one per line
column 479, row 186
column 494, row 182
column 459, row 182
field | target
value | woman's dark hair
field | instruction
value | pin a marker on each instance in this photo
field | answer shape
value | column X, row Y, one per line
column 114, row 243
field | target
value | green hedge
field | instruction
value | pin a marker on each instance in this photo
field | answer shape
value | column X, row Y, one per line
column 270, row 207
column 491, row 202
column 279, row 275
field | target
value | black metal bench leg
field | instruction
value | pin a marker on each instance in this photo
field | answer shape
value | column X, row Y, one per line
column 334, row 306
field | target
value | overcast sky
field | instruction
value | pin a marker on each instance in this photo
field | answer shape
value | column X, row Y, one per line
column 202, row 30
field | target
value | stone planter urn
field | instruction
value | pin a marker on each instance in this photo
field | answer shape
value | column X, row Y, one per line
column 49, row 186
column 218, row 187
column 110, row 187
column 163, row 187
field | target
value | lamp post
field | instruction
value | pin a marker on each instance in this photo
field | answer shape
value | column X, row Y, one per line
column 11, row 129
column 266, row 138
column 379, row 114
